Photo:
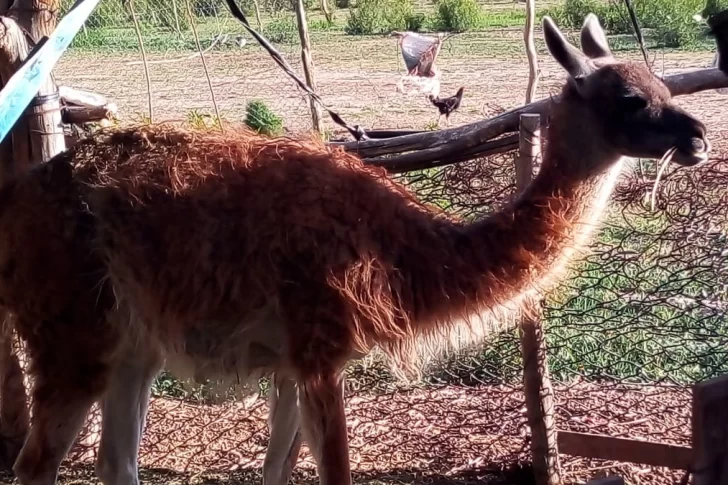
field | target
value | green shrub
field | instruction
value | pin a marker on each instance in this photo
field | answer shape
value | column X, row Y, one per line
column 571, row 15
column 415, row 22
column 260, row 118
column 670, row 23
column 208, row 8
column 281, row 30
column 321, row 25
column 342, row 3
column 380, row 16
column 458, row 15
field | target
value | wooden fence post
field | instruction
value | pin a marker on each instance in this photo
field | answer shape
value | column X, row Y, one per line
column 710, row 432
column 39, row 19
column 308, row 63
column 36, row 137
column 537, row 385
column 531, row 50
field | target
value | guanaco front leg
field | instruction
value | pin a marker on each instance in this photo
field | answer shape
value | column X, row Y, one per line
column 124, row 411
column 324, row 425
column 285, row 437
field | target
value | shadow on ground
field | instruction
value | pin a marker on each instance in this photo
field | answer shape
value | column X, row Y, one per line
column 519, row 474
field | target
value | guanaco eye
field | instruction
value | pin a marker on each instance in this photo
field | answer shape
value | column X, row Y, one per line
column 632, row 103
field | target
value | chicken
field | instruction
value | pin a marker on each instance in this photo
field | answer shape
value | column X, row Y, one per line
column 447, row 106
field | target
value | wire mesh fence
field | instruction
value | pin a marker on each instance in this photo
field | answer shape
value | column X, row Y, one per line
column 640, row 318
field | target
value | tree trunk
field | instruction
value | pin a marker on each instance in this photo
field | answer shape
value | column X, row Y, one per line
column 327, row 11
column 308, row 63
column 531, row 50
column 39, row 18
column 257, row 15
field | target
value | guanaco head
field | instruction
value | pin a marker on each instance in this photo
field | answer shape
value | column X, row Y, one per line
column 629, row 110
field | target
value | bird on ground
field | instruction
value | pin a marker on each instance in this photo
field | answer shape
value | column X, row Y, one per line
column 447, row 106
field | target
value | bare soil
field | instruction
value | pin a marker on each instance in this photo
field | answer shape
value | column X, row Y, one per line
column 451, row 435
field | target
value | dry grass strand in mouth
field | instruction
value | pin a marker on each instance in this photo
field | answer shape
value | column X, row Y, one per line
column 664, row 162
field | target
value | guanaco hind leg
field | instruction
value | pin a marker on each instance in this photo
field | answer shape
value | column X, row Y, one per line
column 285, row 437
column 324, row 425
column 14, row 420
column 57, row 419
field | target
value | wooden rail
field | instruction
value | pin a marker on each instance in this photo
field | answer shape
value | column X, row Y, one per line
column 625, row 450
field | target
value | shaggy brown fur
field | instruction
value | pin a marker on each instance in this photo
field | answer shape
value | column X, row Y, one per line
column 245, row 255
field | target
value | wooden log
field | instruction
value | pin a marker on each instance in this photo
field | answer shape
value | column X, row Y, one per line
column 307, row 62
column 78, row 115
column 81, row 97
column 710, row 432
column 441, row 144
column 493, row 147
column 625, row 450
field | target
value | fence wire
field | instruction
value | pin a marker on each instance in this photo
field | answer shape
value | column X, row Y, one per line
column 640, row 318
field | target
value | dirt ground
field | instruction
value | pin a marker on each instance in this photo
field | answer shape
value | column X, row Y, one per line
column 447, row 436
column 355, row 78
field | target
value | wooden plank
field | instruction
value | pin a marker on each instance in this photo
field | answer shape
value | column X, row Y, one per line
column 710, row 432
column 625, row 450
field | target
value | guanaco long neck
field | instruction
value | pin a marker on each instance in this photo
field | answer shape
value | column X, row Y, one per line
column 520, row 248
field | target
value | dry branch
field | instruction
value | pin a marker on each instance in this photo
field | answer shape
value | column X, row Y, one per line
column 78, row 115
column 443, row 146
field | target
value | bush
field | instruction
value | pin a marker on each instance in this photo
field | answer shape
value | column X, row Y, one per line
column 415, row 22
column 281, row 30
column 342, row 3
column 380, row 16
column 670, row 21
column 207, row 8
column 260, row 118
column 458, row 15
column 572, row 14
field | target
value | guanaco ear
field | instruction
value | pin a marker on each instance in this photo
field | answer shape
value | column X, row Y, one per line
column 571, row 59
column 593, row 39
